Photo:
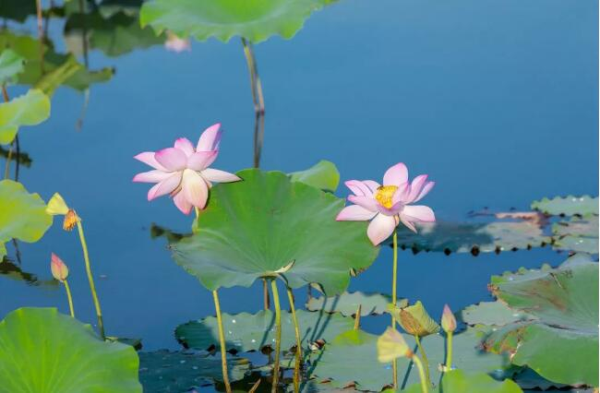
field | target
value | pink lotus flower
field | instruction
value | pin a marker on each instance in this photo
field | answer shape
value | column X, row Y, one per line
column 389, row 204
column 183, row 171
column 176, row 44
column 60, row 271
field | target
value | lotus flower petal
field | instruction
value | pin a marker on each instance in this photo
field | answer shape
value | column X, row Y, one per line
column 185, row 146
column 216, row 175
column 396, row 175
column 165, row 187
column 148, row 159
column 154, row 176
column 202, row 159
column 182, row 203
column 210, row 138
column 381, row 228
column 194, row 188
column 355, row 213
column 172, row 159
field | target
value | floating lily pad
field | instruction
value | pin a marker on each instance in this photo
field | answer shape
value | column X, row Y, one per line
column 251, row 332
column 473, row 237
column 564, row 302
column 457, row 381
column 10, row 65
column 44, row 351
column 567, row 206
column 254, row 20
column 166, row 371
column 22, row 215
column 27, row 110
column 347, row 303
column 267, row 225
column 352, row 359
column 578, row 234
column 324, row 175
column 493, row 314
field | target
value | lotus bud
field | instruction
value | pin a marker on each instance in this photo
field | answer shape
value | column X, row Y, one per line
column 71, row 219
column 448, row 320
column 416, row 321
column 60, row 271
column 57, row 205
column 391, row 345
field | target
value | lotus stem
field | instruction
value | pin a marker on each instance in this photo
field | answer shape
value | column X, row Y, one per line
column 222, row 342
column 40, row 27
column 266, row 300
column 277, row 335
column 258, row 100
column 10, row 149
column 70, row 298
column 394, row 301
column 424, row 381
column 425, row 360
column 88, row 270
column 298, row 341
column 357, row 317
column 449, row 350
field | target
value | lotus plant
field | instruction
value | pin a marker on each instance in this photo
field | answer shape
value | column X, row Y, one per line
column 449, row 326
column 60, row 271
column 386, row 206
column 183, row 172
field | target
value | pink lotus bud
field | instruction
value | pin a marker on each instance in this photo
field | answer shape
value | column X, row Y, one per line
column 60, row 271
column 448, row 320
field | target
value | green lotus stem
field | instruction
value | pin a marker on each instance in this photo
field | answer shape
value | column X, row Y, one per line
column 357, row 317
column 277, row 335
column 70, row 298
column 449, row 350
column 222, row 342
column 88, row 269
column 40, row 27
column 258, row 99
column 424, row 381
column 425, row 360
column 298, row 342
column 394, row 301
column 266, row 300
column 10, row 149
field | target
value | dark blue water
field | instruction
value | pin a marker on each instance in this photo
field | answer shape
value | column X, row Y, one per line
column 496, row 101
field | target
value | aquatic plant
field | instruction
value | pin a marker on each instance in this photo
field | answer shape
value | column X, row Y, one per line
column 60, row 272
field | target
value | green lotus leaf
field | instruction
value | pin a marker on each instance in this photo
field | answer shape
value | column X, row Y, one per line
column 267, row 226
column 567, row 206
column 493, row 313
column 22, row 215
column 473, row 237
column 324, row 175
column 251, row 332
column 352, row 359
column 578, row 234
column 52, row 80
column 10, row 65
column 347, row 303
column 44, row 351
column 254, row 20
column 167, row 371
column 564, row 303
column 27, row 110
column 457, row 381
column 114, row 35
column 415, row 320
column 28, row 48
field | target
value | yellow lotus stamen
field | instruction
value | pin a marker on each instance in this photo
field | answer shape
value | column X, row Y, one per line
column 384, row 195
column 70, row 221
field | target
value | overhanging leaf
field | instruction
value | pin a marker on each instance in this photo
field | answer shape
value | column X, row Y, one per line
column 251, row 332
column 324, row 175
column 254, row 20
column 44, row 351
column 22, row 215
column 255, row 227
column 567, row 206
column 27, row 110
column 347, row 303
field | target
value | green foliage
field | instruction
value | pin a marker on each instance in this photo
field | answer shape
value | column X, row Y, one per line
column 17, row 10
column 22, row 215
column 267, row 226
column 347, row 303
column 324, row 175
column 44, row 351
column 567, row 206
column 492, row 313
column 457, row 381
column 27, row 110
column 10, row 65
column 251, row 332
column 578, row 234
column 255, row 20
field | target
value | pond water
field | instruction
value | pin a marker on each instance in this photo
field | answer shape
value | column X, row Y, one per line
column 496, row 101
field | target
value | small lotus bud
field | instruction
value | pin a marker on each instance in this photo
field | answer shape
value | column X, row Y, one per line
column 70, row 221
column 416, row 321
column 57, row 205
column 391, row 345
column 60, row 271
column 448, row 320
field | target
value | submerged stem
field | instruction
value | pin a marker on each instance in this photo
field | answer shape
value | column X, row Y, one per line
column 222, row 342
column 394, row 300
column 424, row 381
column 298, row 342
column 70, row 298
column 425, row 360
column 257, row 99
column 88, row 270
column 277, row 335
column 449, row 350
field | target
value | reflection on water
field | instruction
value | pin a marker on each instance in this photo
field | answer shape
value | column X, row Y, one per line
column 494, row 115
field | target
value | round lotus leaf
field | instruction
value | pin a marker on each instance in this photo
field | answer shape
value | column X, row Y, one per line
column 10, row 65
column 255, row 20
column 578, row 234
column 267, row 225
column 167, row 371
column 324, row 175
column 22, row 215
column 27, row 110
column 564, row 302
column 492, row 313
column 473, row 237
column 251, row 332
column 43, row 351
column 457, row 381
column 567, row 206
column 352, row 359
column 347, row 303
